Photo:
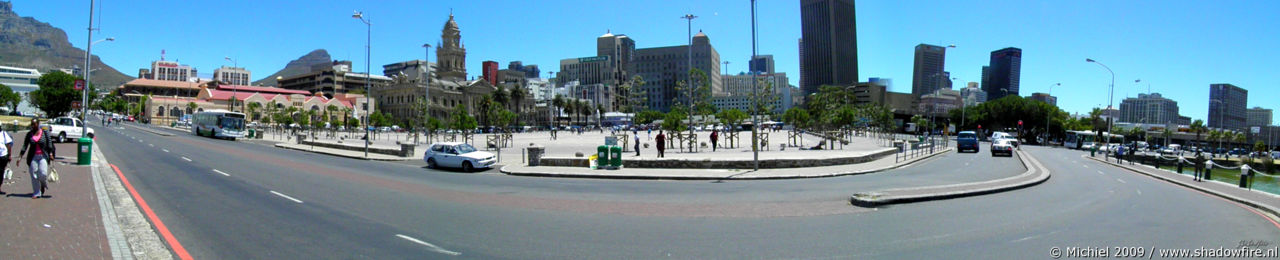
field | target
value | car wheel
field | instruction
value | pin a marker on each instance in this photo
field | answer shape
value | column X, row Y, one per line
column 62, row 137
column 466, row 167
column 431, row 163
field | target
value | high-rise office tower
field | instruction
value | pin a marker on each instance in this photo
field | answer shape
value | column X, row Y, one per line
column 1003, row 75
column 928, row 75
column 1229, row 99
column 830, row 44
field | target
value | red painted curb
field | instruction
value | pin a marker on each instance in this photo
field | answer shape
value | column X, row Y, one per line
column 164, row 231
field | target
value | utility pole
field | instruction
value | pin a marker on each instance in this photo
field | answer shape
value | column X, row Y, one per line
column 755, row 96
column 690, row 84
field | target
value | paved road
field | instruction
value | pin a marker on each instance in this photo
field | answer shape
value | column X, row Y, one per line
column 353, row 208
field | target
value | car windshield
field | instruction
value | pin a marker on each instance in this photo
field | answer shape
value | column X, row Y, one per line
column 967, row 136
column 464, row 148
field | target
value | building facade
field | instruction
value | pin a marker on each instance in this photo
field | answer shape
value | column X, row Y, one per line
column 413, row 70
column 451, row 56
column 928, row 75
column 663, row 67
column 233, row 75
column 1046, row 98
column 1004, row 74
column 939, row 103
column 829, row 47
column 331, row 79
column 1149, row 109
column 530, row 71
column 172, row 71
column 489, row 71
column 973, row 95
column 1227, row 105
column 1258, row 116
column 761, row 64
column 738, row 90
column 23, row 81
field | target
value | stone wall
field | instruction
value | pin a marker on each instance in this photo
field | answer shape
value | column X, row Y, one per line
column 722, row 164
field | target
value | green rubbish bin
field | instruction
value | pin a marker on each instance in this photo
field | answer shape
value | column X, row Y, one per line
column 615, row 157
column 602, row 156
column 84, row 153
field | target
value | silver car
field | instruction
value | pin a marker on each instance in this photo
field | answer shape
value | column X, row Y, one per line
column 457, row 155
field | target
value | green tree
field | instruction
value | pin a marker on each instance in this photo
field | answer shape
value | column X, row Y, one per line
column 557, row 102
column 797, row 117
column 505, row 117
column 56, row 93
column 634, row 98
column 674, row 120
column 518, row 94
column 9, row 98
column 731, row 117
column 253, row 110
column 648, row 116
column 461, row 120
column 1198, row 127
column 763, row 99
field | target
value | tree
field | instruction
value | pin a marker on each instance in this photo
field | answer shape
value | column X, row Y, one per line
column 9, row 98
column 1214, row 135
column 696, row 94
column 253, row 110
column 762, row 100
column 557, row 102
column 461, row 120
column 634, row 98
column 797, row 117
column 56, row 93
column 570, row 108
column 518, row 95
column 584, row 110
column 505, row 117
column 674, row 120
column 191, row 107
column 1198, row 127
column 731, row 117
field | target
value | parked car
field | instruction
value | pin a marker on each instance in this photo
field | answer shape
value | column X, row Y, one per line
column 65, row 129
column 967, row 140
column 457, row 155
column 1002, row 146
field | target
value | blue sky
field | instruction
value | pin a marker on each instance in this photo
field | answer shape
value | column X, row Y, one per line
column 1178, row 47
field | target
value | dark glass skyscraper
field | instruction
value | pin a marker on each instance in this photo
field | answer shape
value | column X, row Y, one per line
column 1229, row 99
column 830, row 44
column 928, row 75
column 1004, row 73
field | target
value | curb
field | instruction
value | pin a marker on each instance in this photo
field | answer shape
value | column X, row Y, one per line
column 129, row 234
column 504, row 170
column 877, row 198
column 1275, row 213
column 339, row 155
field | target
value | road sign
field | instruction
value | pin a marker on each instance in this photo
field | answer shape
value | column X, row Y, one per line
column 75, row 104
column 79, row 84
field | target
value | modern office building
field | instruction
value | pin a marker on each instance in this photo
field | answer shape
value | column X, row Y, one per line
column 1258, row 116
column 1004, row 74
column 412, row 70
column 331, row 79
column 1227, row 105
column 738, row 90
column 928, row 75
column 1045, row 97
column 232, row 75
column 622, row 52
column 662, row 67
column 972, row 95
column 829, row 47
column 1148, row 109
column 169, row 70
column 23, row 81
column 530, row 71
column 761, row 64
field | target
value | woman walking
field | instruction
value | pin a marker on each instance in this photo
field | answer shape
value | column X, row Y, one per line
column 42, row 150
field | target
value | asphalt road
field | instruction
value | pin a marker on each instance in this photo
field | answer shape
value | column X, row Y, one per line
column 361, row 209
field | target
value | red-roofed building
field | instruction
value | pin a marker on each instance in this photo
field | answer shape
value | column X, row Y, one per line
column 255, row 101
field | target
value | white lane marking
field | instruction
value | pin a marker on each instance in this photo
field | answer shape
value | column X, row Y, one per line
column 165, row 150
column 1139, row 191
column 1100, row 173
column 185, row 158
column 1119, row 180
column 1073, row 161
column 1086, row 166
column 220, row 172
column 151, row 145
column 428, row 245
column 286, row 196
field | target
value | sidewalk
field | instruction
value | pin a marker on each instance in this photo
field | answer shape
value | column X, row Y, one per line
column 1261, row 200
column 884, row 163
column 67, row 225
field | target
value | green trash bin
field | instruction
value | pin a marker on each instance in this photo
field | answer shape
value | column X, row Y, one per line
column 615, row 157
column 251, row 133
column 602, row 156
column 84, row 153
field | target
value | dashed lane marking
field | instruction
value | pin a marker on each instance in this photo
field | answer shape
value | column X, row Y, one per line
column 1100, row 173
column 435, row 248
column 286, row 196
column 185, row 158
column 165, row 150
column 1119, row 180
column 220, row 172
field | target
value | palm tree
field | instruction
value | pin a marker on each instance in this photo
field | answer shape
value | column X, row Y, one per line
column 569, row 107
column 557, row 102
column 253, row 109
column 1215, row 135
column 584, row 110
column 1198, row 127
column 518, row 94
column 501, row 96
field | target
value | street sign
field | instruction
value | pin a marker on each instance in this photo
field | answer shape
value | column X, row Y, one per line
column 79, row 84
column 1256, row 129
column 75, row 104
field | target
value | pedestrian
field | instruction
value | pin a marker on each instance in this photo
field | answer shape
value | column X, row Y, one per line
column 42, row 150
column 715, row 135
column 1199, row 161
column 662, row 144
column 1119, row 152
column 650, row 133
column 636, row 136
column 1131, row 151
column 7, row 146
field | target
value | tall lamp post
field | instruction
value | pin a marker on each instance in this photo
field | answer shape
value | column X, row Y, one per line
column 426, row 98
column 1110, row 101
column 755, row 95
column 691, row 87
column 1049, row 117
column 368, row 76
column 84, row 99
column 234, row 90
column 551, row 111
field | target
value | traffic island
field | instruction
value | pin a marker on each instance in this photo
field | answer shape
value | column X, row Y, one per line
column 1035, row 174
column 880, row 164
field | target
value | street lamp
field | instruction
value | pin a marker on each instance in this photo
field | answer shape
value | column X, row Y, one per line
column 691, row 87
column 755, row 95
column 1110, row 101
column 1048, row 116
column 234, row 91
column 84, row 93
column 368, row 77
column 426, row 98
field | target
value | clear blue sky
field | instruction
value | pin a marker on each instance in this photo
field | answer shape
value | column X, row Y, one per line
column 1179, row 47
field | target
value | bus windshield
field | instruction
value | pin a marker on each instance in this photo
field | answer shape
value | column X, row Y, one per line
column 228, row 123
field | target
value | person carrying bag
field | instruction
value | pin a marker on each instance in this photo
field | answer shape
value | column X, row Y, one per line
column 6, row 145
column 38, row 157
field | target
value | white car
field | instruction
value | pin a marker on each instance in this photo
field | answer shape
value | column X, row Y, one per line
column 66, row 129
column 1002, row 146
column 457, row 155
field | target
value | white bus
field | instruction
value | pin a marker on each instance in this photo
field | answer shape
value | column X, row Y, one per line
column 1085, row 140
column 218, row 124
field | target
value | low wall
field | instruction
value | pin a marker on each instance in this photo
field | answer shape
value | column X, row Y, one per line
column 405, row 150
column 722, row 164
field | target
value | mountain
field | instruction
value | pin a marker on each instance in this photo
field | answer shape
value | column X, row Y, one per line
column 29, row 43
column 298, row 66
